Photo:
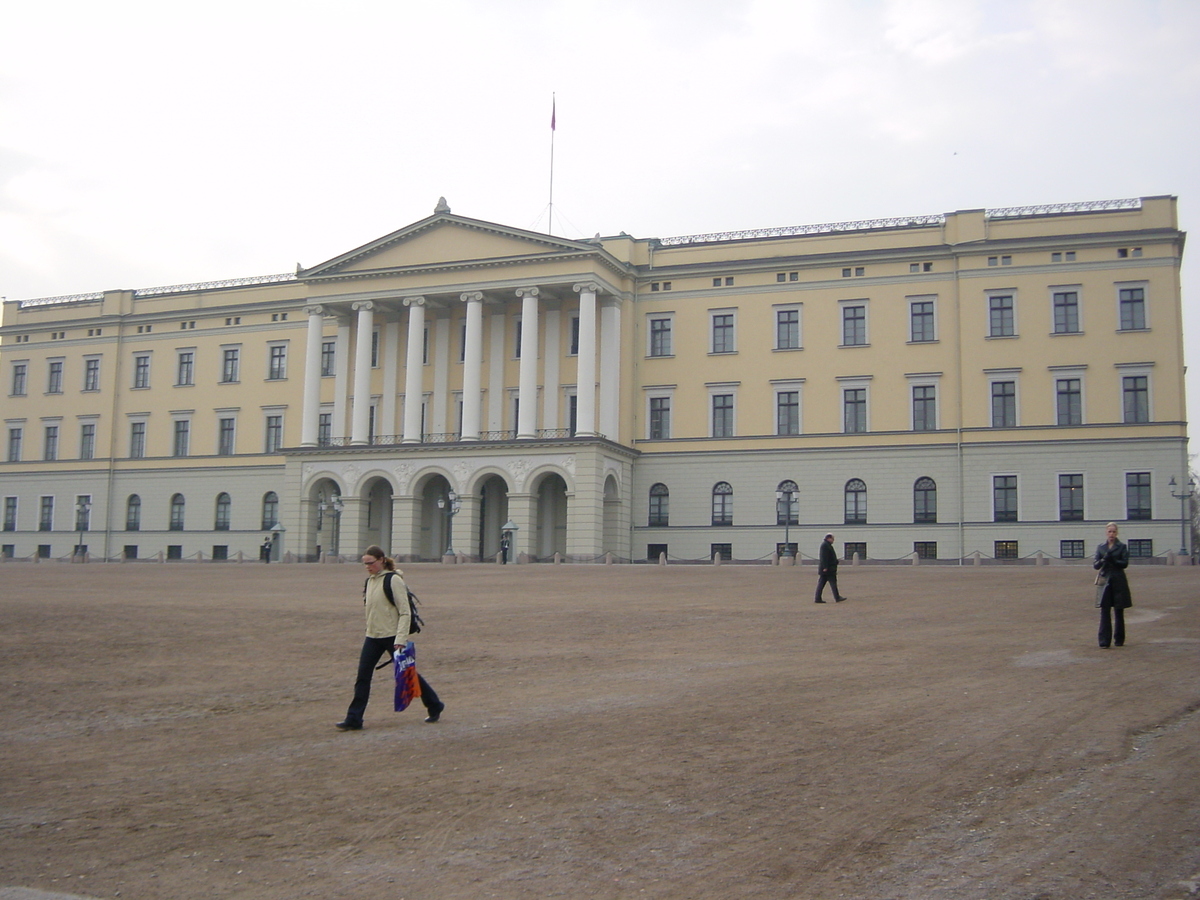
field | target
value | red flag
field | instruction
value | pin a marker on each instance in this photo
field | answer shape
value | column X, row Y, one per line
column 553, row 113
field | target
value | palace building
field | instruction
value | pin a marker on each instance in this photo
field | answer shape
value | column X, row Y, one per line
column 999, row 381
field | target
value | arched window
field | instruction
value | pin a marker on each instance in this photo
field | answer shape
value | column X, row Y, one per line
column 787, row 503
column 856, row 502
column 270, row 510
column 660, row 499
column 722, row 503
column 925, row 500
column 176, row 513
column 221, row 522
column 133, row 513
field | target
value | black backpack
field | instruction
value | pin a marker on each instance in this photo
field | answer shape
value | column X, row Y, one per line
column 415, row 621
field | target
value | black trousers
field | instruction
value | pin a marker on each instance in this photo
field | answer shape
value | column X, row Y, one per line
column 373, row 650
column 1112, row 628
column 829, row 577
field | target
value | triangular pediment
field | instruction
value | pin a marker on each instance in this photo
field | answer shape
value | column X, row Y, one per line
column 445, row 240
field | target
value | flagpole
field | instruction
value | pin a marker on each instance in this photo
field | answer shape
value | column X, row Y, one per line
column 553, row 112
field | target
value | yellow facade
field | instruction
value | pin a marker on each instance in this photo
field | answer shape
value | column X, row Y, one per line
column 1027, row 363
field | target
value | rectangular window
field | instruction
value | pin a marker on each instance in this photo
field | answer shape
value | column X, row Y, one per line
column 185, row 372
column 516, row 342
column 850, row 549
column 1006, row 550
column 50, row 444
column 46, row 514
column 724, row 551
column 572, row 415
column 54, row 379
column 220, row 551
column 1070, row 498
column 660, row 418
column 83, row 512
column 137, row 440
column 1004, row 498
column 1137, row 495
column 20, row 374
column 722, row 415
column 925, row 549
column 921, row 321
column 1001, row 321
column 1070, row 549
column 274, row 439
column 174, row 551
column 229, row 365
column 854, row 407
column 722, row 333
column 141, row 371
column 91, row 374
column 1069, row 398
column 87, row 440
column 277, row 367
column 660, row 337
column 1136, row 394
column 324, row 429
column 10, row 513
column 183, row 430
column 574, row 336
column 854, row 326
column 1066, row 312
column 722, row 505
column 659, row 515
column 924, row 401
column 655, row 551
column 1141, row 548
column 787, row 412
column 787, row 329
column 374, row 349
column 14, row 443
column 224, row 438
column 1004, row 404
column 328, row 350
column 1133, row 309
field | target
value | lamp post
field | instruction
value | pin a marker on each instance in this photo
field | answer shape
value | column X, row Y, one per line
column 1183, row 496
column 450, row 505
column 785, row 497
column 334, row 507
column 83, row 504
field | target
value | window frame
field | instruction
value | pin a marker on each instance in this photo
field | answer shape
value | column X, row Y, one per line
column 994, row 297
column 655, row 417
column 789, row 309
column 54, row 375
column 722, row 510
column 660, row 335
column 844, row 309
column 1076, row 309
column 141, row 370
column 185, row 367
column 1073, row 509
column 1001, row 512
column 913, row 338
column 19, row 381
column 658, row 512
column 1144, row 513
column 91, row 374
column 854, row 502
column 726, row 330
column 782, row 389
column 1124, row 304
column 231, row 363
column 277, row 361
column 922, row 494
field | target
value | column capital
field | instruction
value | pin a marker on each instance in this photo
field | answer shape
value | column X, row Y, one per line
column 414, row 301
column 527, row 292
column 588, row 287
column 360, row 305
column 314, row 310
column 468, row 296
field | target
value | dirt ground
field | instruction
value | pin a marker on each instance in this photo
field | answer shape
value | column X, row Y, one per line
column 610, row 732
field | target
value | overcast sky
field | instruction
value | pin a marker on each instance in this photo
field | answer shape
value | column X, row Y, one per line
column 153, row 143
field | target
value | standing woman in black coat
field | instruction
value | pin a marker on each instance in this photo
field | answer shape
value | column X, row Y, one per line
column 1112, row 587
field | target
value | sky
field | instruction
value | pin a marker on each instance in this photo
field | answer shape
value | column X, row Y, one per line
column 157, row 143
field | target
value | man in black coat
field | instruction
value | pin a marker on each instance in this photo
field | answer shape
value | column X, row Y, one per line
column 827, row 563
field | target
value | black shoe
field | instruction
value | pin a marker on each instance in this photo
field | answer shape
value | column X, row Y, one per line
column 1118, row 643
column 1104, row 646
column 818, row 601
column 347, row 725
column 839, row 599
column 435, row 714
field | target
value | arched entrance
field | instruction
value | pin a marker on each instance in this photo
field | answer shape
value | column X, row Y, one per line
column 325, row 513
column 550, row 529
column 613, row 533
column 493, row 513
column 377, row 515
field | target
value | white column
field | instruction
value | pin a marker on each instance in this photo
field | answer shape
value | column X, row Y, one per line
column 585, row 391
column 341, row 378
column 389, row 349
column 610, row 369
column 551, row 358
column 527, row 387
column 413, row 388
column 311, row 415
column 472, row 365
column 360, row 415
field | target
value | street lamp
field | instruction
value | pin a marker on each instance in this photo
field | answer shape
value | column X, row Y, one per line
column 785, row 497
column 450, row 505
column 83, row 504
column 334, row 507
column 1183, row 497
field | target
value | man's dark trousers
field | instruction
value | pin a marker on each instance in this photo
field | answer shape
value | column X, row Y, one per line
column 372, row 650
column 828, row 576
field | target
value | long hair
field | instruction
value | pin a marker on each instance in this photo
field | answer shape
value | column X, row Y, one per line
column 376, row 551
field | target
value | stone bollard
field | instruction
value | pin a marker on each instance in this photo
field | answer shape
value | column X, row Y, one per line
column 775, row 558
column 557, row 558
column 449, row 559
column 608, row 558
column 978, row 559
column 916, row 558
column 788, row 560
column 499, row 557
column 662, row 559
column 1039, row 559
column 854, row 558
column 716, row 560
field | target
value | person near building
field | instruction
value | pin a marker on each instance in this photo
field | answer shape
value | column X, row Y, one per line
column 1112, row 587
column 827, row 565
column 264, row 549
column 387, row 630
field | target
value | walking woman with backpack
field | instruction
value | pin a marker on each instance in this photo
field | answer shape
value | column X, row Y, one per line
column 388, row 629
